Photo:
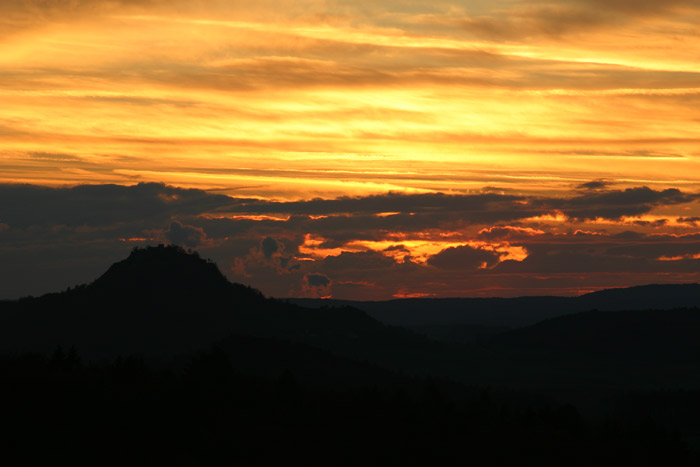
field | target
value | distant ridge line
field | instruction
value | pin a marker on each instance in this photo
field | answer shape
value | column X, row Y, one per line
column 516, row 311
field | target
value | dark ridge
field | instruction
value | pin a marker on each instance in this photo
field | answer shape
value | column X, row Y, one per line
column 593, row 355
column 415, row 312
column 652, row 296
column 637, row 334
column 517, row 311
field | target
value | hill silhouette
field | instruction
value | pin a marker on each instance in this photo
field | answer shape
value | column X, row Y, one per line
column 164, row 271
column 164, row 302
column 167, row 304
column 324, row 381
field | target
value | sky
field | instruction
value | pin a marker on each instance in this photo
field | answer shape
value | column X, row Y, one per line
column 358, row 150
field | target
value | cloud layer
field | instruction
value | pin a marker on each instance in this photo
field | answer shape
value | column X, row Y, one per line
column 372, row 247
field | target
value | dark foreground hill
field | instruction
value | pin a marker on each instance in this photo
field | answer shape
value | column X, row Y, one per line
column 649, row 349
column 166, row 304
column 162, row 302
column 618, row 335
column 61, row 411
column 231, row 377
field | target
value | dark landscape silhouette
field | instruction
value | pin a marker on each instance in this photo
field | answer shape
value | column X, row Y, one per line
column 163, row 355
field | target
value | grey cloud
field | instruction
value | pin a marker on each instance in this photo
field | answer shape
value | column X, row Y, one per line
column 318, row 280
column 628, row 235
column 568, row 259
column 477, row 208
column 269, row 246
column 185, row 235
column 594, row 185
column 656, row 247
column 615, row 204
column 360, row 261
column 355, row 218
column 507, row 232
column 390, row 202
column 372, row 274
column 607, row 257
column 316, row 285
column 47, row 226
column 463, row 258
column 147, row 205
column 220, row 228
column 95, row 205
column 656, row 223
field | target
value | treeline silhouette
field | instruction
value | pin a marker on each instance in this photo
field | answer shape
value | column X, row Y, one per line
column 58, row 409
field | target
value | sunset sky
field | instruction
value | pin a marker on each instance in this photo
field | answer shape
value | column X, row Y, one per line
column 354, row 149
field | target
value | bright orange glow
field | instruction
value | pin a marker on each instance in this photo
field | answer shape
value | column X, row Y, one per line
column 291, row 100
column 405, row 294
column 679, row 258
column 588, row 232
column 516, row 230
column 637, row 220
column 417, row 251
column 312, row 247
column 554, row 217
column 260, row 218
